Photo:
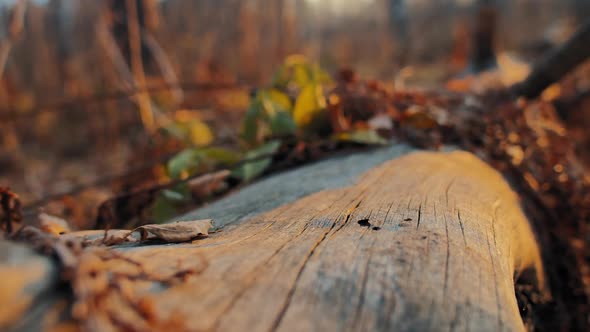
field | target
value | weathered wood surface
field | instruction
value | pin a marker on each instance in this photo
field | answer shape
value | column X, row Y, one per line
column 27, row 286
column 429, row 241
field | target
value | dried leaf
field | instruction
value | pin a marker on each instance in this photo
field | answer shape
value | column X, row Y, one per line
column 10, row 210
column 53, row 225
column 362, row 136
column 419, row 118
column 381, row 122
column 176, row 232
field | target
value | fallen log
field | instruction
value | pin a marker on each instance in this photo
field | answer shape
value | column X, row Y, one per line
column 420, row 241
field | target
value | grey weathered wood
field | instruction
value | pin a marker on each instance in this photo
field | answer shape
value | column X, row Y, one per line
column 27, row 286
column 445, row 242
column 289, row 186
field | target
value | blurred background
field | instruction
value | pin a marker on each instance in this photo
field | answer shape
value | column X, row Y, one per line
column 70, row 69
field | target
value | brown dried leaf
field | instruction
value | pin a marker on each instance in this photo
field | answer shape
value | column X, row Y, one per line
column 418, row 117
column 102, row 237
column 181, row 231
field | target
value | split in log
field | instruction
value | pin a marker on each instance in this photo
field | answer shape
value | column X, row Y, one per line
column 429, row 241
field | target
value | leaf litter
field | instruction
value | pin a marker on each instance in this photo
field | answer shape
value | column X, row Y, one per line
column 109, row 288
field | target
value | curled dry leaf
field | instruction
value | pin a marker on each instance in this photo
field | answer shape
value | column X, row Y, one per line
column 181, row 231
column 95, row 238
column 419, row 118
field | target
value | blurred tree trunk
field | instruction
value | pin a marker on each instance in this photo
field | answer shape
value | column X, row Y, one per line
column 581, row 9
column 286, row 28
column 9, row 140
column 483, row 53
column 60, row 18
column 399, row 25
column 14, row 29
column 249, row 43
column 148, row 19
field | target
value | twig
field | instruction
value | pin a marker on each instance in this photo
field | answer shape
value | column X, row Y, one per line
column 143, row 98
column 11, row 114
column 129, row 79
column 164, row 64
column 32, row 207
column 15, row 29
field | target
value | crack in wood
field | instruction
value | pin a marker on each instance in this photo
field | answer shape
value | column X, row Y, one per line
column 347, row 215
column 496, row 206
column 363, row 287
column 461, row 225
column 498, row 306
column 448, row 189
column 419, row 216
column 387, row 214
column 289, row 297
column 448, row 254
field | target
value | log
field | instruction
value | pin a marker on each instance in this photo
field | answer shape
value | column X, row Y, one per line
column 427, row 241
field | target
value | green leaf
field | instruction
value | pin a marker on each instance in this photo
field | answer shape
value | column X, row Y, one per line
column 169, row 201
column 282, row 124
column 163, row 209
column 221, row 155
column 369, row 137
column 281, row 77
column 269, row 113
column 184, row 163
column 252, row 170
column 280, row 100
column 175, row 130
column 179, row 194
column 250, row 127
column 173, row 195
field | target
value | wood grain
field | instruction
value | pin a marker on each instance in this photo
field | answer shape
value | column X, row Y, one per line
column 429, row 241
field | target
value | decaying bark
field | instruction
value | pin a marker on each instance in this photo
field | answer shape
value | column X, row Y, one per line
column 428, row 241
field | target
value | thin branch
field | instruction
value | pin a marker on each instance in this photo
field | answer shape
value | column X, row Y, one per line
column 32, row 207
column 10, row 114
column 556, row 64
column 143, row 98
column 165, row 66
column 15, row 29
